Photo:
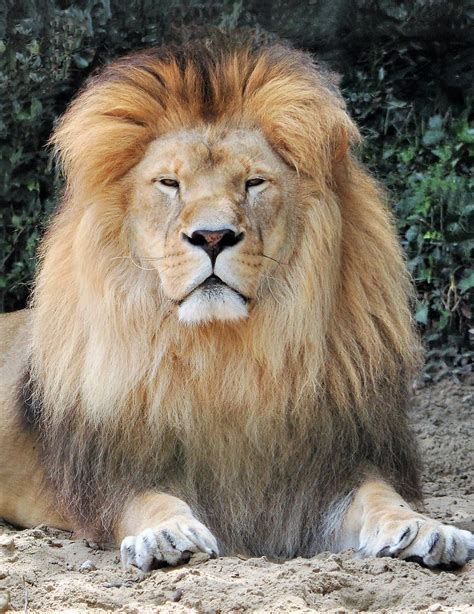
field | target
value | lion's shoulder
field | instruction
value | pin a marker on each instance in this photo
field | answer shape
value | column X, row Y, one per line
column 14, row 328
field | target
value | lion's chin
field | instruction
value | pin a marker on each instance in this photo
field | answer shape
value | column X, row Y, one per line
column 207, row 304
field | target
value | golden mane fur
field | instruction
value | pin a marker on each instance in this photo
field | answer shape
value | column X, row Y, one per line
column 295, row 402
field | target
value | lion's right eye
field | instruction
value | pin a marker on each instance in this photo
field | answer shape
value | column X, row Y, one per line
column 169, row 183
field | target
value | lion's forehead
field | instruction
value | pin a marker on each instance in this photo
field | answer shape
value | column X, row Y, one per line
column 221, row 155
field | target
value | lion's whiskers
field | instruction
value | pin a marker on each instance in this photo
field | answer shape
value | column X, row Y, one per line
column 270, row 281
column 129, row 257
column 262, row 255
column 273, row 259
column 142, row 257
column 140, row 267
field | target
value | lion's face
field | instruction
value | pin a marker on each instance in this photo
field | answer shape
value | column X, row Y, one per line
column 212, row 211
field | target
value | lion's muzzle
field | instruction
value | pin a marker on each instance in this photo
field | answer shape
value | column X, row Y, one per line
column 213, row 242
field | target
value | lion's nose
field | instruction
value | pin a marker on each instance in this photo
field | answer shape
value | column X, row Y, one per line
column 214, row 241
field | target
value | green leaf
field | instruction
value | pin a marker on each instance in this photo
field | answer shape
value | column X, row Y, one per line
column 433, row 235
column 36, row 108
column 467, row 281
column 411, row 233
column 80, row 61
column 421, row 313
column 443, row 320
column 435, row 122
column 432, row 137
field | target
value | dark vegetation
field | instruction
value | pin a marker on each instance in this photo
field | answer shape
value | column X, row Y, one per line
column 406, row 77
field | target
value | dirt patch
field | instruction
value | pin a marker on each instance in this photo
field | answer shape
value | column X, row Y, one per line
column 443, row 418
column 44, row 570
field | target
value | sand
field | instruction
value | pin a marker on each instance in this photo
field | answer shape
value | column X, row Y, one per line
column 44, row 570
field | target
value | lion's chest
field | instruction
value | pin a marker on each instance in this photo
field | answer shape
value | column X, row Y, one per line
column 255, row 458
column 260, row 486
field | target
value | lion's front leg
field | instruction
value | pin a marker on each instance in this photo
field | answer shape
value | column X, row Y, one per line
column 159, row 528
column 380, row 523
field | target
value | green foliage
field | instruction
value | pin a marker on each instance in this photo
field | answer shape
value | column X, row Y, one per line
column 37, row 75
column 410, row 96
column 422, row 148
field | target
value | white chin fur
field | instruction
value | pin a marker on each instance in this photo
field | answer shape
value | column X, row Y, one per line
column 207, row 304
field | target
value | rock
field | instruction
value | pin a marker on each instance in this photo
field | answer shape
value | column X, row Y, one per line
column 4, row 601
column 198, row 557
column 7, row 543
column 36, row 533
column 87, row 566
column 176, row 596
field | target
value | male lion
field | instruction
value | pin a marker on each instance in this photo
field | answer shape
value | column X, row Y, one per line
column 220, row 345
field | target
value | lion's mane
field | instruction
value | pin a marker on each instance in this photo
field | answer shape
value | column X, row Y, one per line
column 263, row 426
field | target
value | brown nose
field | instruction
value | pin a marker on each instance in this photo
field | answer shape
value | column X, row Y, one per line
column 214, row 241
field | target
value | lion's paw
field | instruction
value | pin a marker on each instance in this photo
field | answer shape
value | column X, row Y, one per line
column 421, row 539
column 171, row 542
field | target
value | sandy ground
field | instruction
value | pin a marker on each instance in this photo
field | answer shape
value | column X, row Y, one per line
column 44, row 570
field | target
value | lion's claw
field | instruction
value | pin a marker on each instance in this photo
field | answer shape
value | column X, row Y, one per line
column 172, row 542
column 402, row 541
column 430, row 542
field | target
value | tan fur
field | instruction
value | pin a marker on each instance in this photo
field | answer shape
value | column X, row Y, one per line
column 322, row 360
column 24, row 499
column 149, row 509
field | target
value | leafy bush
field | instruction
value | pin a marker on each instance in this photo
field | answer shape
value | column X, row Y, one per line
column 38, row 72
column 422, row 148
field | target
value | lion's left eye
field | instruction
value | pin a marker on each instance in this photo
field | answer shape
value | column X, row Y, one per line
column 254, row 182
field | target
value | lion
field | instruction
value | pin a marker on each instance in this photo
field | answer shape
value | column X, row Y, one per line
column 219, row 347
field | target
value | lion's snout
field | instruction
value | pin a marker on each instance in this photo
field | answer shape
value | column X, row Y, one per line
column 213, row 242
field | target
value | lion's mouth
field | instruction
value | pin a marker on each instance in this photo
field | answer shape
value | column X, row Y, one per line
column 213, row 285
column 212, row 281
column 213, row 299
